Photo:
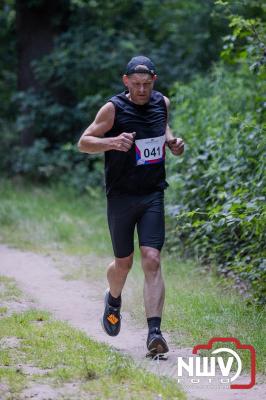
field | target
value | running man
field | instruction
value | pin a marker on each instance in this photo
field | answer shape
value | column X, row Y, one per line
column 132, row 130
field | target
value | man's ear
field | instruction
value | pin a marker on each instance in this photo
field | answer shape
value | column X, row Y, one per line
column 154, row 78
column 125, row 80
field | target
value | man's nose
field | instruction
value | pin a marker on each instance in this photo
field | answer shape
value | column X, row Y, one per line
column 141, row 89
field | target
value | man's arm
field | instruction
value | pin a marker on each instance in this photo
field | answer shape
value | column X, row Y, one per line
column 93, row 140
column 176, row 145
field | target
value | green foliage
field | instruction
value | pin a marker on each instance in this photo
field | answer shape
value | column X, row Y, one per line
column 59, row 164
column 221, row 183
column 88, row 59
column 56, row 122
column 221, row 208
column 247, row 39
column 90, row 56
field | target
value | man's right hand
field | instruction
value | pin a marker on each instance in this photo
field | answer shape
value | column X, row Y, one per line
column 124, row 141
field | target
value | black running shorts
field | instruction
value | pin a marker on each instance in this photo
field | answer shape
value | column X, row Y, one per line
column 124, row 212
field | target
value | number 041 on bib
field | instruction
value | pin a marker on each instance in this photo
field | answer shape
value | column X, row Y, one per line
column 150, row 151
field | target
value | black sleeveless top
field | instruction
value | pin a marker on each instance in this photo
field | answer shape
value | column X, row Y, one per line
column 122, row 173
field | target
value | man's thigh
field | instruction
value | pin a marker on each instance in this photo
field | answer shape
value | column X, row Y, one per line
column 122, row 217
column 151, row 224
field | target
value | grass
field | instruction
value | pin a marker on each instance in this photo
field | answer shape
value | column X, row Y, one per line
column 52, row 219
column 61, row 354
column 8, row 290
column 3, row 310
column 68, row 355
column 199, row 305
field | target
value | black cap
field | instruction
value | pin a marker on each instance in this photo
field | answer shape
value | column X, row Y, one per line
column 140, row 65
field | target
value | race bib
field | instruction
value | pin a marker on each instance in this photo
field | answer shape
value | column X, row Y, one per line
column 150, row 151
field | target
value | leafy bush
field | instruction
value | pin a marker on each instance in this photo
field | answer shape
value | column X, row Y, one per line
column 8, row 138
column 218, row 189
column 62, row 164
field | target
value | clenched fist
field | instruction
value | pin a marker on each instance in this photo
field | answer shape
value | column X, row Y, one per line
column 124, row 141
column 176, row 146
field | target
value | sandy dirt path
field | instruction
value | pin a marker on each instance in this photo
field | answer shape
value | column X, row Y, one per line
column 80, row 304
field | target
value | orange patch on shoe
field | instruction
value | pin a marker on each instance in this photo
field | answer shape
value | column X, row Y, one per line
column 113, row 319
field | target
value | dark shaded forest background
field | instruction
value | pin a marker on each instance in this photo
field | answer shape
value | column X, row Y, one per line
column 60, row 61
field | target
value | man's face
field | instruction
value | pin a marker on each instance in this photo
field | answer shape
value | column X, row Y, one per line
column 140, row 87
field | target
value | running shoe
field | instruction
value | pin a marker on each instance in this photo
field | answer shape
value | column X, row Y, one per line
column 111, row 320
column 156, row 343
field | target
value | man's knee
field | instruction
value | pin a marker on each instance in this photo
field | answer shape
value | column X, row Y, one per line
column 150, row 259
column 124, row 263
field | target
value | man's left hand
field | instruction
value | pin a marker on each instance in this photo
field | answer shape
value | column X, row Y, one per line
column 176, row 146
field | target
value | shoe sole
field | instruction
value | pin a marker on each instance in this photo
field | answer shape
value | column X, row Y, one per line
column 158, row 346
column 156, row 357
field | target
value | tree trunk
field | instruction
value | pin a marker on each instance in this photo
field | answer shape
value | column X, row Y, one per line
column 37, row 24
